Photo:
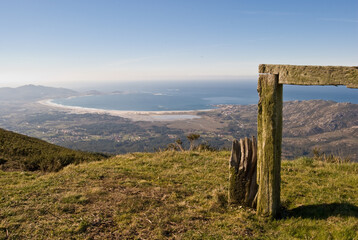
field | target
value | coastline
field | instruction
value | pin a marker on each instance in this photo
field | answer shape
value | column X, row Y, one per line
column 133, row 115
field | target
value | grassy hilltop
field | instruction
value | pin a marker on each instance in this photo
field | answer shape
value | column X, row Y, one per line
column 20, row 152
column 174, row 195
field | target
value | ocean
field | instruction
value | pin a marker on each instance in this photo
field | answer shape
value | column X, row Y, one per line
column 184, row 96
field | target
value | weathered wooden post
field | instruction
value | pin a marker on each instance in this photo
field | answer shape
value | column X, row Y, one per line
column 269, row 120
column 243, row 171
column 269, row 136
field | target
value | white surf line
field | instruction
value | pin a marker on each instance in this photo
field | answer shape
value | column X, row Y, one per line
column 134, row 115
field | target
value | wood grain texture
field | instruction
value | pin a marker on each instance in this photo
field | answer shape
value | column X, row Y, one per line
column 269, row 136
column 313, row 75
column 243, row 170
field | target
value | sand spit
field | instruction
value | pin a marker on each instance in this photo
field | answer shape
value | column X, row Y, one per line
column 133, row 115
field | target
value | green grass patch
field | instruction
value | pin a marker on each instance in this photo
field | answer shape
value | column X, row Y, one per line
column 20, row 152
column 174, row 195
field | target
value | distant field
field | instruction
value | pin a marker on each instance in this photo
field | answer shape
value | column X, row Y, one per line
column 171, row 195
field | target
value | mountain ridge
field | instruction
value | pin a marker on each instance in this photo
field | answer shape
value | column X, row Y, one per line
column 34, row 92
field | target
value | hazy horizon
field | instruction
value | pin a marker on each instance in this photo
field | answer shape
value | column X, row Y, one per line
column 222, row 92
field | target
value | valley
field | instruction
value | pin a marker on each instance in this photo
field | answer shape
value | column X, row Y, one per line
column 316, row 124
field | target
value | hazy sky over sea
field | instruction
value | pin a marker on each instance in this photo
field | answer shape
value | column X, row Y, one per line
column 65, row 42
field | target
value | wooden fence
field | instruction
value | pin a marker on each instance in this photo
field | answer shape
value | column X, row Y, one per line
column 269, row 124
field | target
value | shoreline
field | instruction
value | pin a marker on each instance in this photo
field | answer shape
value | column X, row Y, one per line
column 133, row 115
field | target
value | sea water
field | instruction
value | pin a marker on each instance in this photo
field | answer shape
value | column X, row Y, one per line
column 184, row 96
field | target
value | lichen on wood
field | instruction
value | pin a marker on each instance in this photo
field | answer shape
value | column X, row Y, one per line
column 313, row 75
column 269, row 134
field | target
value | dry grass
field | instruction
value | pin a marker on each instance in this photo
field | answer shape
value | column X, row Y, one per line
column 171, row 195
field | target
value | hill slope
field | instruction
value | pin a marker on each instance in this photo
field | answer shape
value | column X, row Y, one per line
column 18, row 151
column 327, row 125
column 173, row 195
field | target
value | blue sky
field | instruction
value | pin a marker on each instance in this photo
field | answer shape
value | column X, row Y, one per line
column 74, row 42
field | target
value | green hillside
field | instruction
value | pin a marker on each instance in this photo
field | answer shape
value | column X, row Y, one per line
column 174, row 195
column 20, row 152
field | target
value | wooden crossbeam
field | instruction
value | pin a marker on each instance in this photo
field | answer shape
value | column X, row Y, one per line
column 313, row 75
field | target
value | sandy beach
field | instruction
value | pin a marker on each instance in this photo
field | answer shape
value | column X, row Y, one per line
column 133, row 115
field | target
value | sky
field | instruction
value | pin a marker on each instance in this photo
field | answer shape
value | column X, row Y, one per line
column 79, row 42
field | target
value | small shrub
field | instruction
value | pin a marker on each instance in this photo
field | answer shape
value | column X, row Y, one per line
column 329, row 158
column 192, row 138
column 172, row 147
column 205, row 147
